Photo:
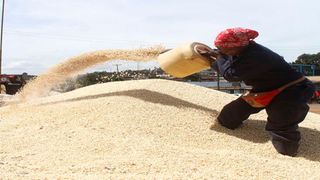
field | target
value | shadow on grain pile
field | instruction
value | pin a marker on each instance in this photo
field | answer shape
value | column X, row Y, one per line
column 148, row 96
column 253, row 130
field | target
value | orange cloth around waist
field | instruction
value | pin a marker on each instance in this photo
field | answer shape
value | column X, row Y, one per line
column 260, row 100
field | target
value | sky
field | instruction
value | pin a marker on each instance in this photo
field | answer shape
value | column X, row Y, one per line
column 39, row 34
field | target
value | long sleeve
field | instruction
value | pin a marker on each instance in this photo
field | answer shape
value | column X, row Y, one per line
column 223, row 65
column 261, row 68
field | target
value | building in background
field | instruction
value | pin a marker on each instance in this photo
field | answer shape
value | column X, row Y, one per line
column 305, row 69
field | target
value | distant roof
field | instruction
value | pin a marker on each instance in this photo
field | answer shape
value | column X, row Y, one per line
column 314, row 78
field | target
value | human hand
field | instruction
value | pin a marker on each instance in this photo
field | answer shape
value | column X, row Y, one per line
column 210, row 54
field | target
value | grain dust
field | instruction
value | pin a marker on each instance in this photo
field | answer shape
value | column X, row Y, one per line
column 42, row 85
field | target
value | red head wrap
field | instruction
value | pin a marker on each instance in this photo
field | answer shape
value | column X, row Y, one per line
column 235, row 37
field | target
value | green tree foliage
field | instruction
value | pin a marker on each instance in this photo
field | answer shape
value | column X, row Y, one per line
column 103, row 77
column 95, row 78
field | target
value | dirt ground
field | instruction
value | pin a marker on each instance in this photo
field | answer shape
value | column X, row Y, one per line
column 315, row 108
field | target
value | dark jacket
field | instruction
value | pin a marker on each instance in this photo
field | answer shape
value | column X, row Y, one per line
column 257, row 66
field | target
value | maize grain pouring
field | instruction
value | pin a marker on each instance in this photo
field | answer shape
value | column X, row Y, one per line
column 71, row 67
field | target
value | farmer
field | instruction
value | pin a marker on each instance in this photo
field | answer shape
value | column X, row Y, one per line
column 276, row 87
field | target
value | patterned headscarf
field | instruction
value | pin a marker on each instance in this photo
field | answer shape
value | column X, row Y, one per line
column 235, row 37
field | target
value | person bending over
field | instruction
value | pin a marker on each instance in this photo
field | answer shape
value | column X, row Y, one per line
column 276, row 87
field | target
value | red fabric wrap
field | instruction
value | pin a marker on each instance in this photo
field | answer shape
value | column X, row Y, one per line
column 235, row 37
column 260, row 99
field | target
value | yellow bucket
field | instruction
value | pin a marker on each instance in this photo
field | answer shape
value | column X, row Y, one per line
column 184, row 60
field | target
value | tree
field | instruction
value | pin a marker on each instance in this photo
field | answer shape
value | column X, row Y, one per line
column 309, row 59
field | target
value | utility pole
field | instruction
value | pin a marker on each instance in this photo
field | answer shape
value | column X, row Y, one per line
column 117, row 67
column 218, row 75
column 2, row 18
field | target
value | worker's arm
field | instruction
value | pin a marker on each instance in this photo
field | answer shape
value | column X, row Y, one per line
column 223, row 65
